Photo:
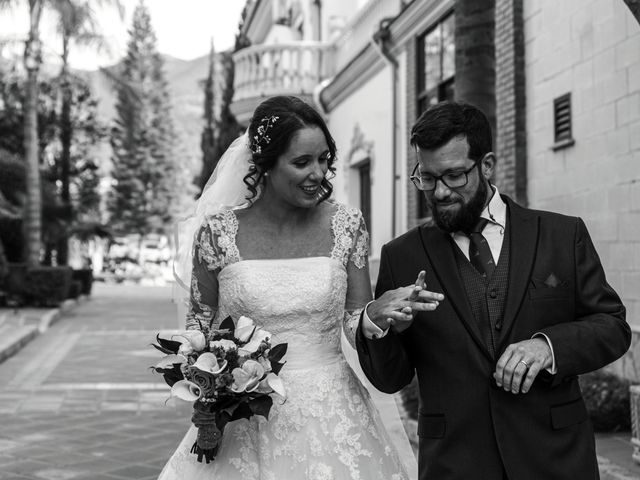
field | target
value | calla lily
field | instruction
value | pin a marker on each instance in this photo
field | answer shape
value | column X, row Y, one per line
column 247, row 378
column 186, row 390
column 272, row 383
column 266, row 364
column 195, row 338
column 244, row 329
column 224, row 344
column 258, row 337
column 170, row 360
column 208, row 362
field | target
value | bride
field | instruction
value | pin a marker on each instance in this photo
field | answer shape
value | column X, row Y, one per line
column 269, row 246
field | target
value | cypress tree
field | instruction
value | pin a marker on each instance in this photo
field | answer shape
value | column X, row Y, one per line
column 227, row 126
column 207, row 138
column 144, row 172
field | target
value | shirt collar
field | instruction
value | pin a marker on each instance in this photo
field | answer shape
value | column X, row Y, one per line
column 496, row 209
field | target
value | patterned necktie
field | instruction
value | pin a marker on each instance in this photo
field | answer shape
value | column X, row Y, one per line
column 479, row 251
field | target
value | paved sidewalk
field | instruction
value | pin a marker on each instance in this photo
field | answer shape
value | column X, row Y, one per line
column 614, row 456
column 77, row 400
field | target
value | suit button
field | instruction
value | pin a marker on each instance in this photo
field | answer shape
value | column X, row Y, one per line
column 493, row 293
column 498, row 326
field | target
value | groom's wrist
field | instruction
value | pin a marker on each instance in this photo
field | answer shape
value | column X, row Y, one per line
column 369, row 328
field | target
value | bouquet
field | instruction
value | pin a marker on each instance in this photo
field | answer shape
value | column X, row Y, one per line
column 228, row 374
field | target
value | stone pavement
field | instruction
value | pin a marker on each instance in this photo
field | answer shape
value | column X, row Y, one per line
column 79, row 402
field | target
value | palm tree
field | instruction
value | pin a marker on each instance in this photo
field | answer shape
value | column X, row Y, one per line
column 32, row 61
column 77, row 24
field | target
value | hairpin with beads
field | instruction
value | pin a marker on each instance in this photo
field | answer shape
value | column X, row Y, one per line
column 261, row 137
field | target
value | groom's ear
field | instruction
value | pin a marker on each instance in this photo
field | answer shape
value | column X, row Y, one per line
column 487, row 165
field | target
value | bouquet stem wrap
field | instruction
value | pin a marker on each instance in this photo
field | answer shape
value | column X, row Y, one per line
column 209, row 435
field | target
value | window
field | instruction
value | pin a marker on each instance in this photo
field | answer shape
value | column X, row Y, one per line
column 562, row 122
column 436, row 64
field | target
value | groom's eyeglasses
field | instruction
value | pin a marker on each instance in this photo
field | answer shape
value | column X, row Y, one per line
column 427, row 182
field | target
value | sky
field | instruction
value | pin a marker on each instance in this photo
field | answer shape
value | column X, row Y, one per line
column 183, row 28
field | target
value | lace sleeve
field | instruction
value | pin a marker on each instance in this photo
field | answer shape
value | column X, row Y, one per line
column 350, row 325
column 207, row 260
column 358, row 281
column 360, row 246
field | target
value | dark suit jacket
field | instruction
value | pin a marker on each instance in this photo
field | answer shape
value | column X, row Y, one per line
column 468, row 427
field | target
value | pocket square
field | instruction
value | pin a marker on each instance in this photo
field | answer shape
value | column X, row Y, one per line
column 552, row 281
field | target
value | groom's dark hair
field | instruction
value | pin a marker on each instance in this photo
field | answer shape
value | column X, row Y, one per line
column 285, row 115
column 446, row 120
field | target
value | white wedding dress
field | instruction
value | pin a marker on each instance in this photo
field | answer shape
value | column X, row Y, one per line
column 328, row 428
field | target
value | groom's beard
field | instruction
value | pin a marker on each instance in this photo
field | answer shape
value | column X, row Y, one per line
column 466, row 216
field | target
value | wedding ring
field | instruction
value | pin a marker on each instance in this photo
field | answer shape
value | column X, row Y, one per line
column 524, row 363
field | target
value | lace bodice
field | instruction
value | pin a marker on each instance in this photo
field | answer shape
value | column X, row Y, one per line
column 299, row 300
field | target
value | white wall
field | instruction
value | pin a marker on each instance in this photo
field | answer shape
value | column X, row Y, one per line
column 590, row 48
column 370, row 108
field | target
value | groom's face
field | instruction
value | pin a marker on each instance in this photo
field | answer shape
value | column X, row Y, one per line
column 455, row 209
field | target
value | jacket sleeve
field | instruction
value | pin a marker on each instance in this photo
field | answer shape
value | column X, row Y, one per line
column 600, row 333
column 384, row 361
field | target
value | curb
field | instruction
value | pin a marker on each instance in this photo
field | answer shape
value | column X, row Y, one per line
column 14, row 337
column 48, row 319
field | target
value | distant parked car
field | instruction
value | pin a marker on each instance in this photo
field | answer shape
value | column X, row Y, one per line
column 155, row 251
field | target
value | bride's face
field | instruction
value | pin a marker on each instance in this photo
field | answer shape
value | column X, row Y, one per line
column 299, row 171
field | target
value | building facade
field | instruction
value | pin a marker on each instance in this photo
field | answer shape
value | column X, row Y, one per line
column 560, row 81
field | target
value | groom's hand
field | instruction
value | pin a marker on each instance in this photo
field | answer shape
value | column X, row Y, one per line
column 396, row 308
column 520, row 364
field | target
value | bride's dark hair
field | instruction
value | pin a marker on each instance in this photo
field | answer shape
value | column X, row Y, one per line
column 267, row 145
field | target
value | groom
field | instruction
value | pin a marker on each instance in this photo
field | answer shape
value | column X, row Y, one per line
column 526, row 309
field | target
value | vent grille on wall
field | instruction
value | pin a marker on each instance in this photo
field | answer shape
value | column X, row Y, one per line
column 562, row 122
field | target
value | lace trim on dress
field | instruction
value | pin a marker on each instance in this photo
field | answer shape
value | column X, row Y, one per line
column 351, row 239
column 350, row 325
column 216, row 241
column 199, row 313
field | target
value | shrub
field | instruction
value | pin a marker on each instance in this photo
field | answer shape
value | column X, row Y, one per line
column 12, row 239
column 12, row 176
column 607, row 399
column 15, row 284
column 85, row 277
column 75, row 289
column 47, row 286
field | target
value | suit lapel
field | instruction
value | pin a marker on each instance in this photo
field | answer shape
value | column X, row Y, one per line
column 523, row 225
column 437, row 246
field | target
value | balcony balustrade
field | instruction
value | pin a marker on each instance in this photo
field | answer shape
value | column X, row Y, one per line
column 278, row 69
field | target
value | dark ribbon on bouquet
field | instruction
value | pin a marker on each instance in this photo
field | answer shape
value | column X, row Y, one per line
column 209, row 435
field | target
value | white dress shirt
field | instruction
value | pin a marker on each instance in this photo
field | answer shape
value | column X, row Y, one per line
column 496, row 213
